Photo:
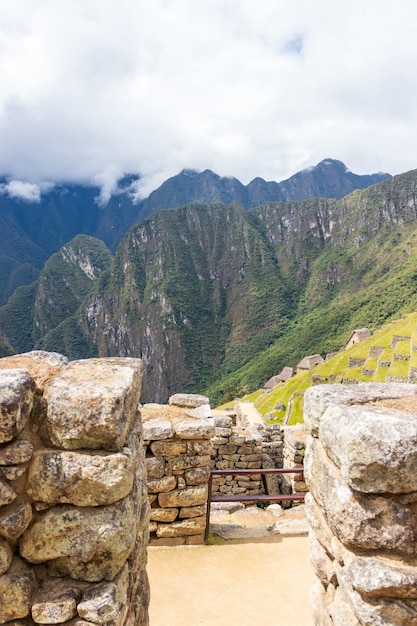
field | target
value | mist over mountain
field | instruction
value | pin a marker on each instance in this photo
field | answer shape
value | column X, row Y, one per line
column 217, row 298
column 34, row 225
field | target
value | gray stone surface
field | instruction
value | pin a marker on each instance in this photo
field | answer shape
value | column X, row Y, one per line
column 91, row 403
column 17, row 389
column 376, row 449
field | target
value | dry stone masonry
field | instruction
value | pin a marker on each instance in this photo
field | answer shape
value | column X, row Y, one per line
column 360, row 467
column 73, row 500
column 178, row 448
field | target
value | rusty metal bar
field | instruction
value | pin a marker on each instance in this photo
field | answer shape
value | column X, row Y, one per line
column 249, row 498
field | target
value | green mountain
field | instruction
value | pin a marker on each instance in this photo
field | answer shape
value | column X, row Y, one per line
column 32, row 230
column 388, row 355
column 218, row 299
column 67, row 278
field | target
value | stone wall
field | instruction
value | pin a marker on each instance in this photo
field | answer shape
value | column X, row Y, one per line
column 360, row 467
column 73, row 501
column 178, row 451
column 238, row 445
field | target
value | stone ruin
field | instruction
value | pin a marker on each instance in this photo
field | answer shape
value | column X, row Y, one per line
column 360, row 467
column 74, row 510
column 73, row 497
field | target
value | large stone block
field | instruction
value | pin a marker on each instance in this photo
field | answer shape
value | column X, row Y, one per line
column 194, row 428
column 166, row 483
column 6, row 556
column 375, row 577
column 192, row 496
column 92, row 403
column 17, row 389
column 163, row 515
column 320, row 560
column 17, row 452
column 341, row 610
column 378, row 611
column 155, row 467
column 188, row 462
column 168, row 448
column 56, row 601
column 190, row 526
column 317, row 398
column 14, row 519
column 157, row 428
column 197, row 475
column 188, row 400
column 103, row 603
column 7, row 494
column 375, row 448
column 361, row 521
column 90, row 543
column 81, row 479
column 17, row 587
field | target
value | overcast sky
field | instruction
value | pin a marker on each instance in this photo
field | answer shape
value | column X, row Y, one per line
column 91, row 89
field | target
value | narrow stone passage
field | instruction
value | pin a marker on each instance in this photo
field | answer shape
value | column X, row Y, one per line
column 249, row 584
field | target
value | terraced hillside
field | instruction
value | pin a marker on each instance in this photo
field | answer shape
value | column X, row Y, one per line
column 389, row 355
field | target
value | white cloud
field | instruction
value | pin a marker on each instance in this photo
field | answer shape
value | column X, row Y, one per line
column 94, row 88
column 24, row 191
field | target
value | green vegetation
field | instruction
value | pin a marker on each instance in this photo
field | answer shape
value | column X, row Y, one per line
column 217, row 299
column 336, row 369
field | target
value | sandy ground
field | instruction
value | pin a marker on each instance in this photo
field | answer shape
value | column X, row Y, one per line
column 248, row 584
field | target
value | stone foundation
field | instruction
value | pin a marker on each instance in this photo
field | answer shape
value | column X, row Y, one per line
column 360, row 467
column 73, row 501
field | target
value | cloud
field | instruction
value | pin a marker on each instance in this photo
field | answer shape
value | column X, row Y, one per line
column 92, row 89
column 24, row 191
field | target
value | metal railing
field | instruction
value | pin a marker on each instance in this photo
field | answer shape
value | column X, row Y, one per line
column 243, row 497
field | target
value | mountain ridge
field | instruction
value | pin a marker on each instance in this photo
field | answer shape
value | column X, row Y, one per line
column 30, row 232
column 218, row 299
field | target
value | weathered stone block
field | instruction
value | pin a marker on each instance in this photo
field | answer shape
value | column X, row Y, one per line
column 341, row 610
column 192, row 496
column 92, row 403
column 375, row 448
column 102, row 603
column 7, row 493
column 12, row 472
column 17, row 452
column 190, row 526
column 155, row 467
column 90, row 543
column 384, row 611
column 187, row 462
column 157, row 428
column 14, row 519
column 82, row 479
column 17, row 390
column 318, row 398
column 223, row 421
column 6, row 555
column 188, row 400
column 197, row 476
column 358, row 520
column 222, row 432
column 163, row 515
column 191, row 428
column 199, row 447
column 17, row 587
column 56, row 602
column 193, row 511
column 375, row 577
column 168, row 448
column 166, row 483
column 321, row 561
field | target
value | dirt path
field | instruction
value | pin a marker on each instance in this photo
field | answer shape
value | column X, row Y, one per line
column 250, row 584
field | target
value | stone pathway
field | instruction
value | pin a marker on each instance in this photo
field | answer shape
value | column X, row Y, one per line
column 254, row 577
